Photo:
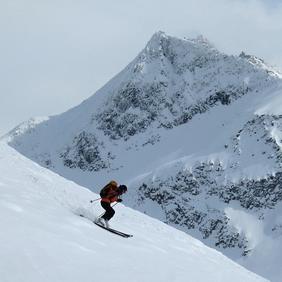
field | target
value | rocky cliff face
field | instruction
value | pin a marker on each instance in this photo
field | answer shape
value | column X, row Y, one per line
column 197, row 199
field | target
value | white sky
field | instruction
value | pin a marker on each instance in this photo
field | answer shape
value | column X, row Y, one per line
column 56, row 53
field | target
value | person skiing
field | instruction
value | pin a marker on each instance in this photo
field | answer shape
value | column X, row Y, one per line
column 109, row 194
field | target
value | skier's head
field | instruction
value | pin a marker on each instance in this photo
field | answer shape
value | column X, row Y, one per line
column 123, row 189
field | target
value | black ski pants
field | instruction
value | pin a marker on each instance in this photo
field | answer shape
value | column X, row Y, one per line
column 109, row 210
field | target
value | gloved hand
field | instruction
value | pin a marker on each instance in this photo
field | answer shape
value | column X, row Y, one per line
column 119, row 200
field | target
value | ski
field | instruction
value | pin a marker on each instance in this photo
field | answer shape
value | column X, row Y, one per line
column 125, row 235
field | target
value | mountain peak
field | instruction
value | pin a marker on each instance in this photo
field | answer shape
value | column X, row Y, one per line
column 160, row 42
column 157, row 42
column 158, row 35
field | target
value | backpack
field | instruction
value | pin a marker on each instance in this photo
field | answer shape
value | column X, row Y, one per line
column 104, row 191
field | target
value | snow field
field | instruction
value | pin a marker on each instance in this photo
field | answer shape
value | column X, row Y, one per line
column 43, row 239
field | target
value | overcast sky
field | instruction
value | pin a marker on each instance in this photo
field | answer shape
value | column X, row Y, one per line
column 56, row 53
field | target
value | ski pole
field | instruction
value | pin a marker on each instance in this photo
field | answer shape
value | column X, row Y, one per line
column 91, row 201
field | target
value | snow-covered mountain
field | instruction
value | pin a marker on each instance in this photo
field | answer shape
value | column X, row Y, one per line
column 42, row 237
column 195, row 133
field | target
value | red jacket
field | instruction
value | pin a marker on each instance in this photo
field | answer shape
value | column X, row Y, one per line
column 112, row 193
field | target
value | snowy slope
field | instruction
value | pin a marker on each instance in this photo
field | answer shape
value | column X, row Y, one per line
column 196, row 135
column 42, row 239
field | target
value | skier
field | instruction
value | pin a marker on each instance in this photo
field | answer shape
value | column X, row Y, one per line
column 109, row 194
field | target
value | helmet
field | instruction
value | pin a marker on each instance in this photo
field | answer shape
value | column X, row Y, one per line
column 122, row 188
